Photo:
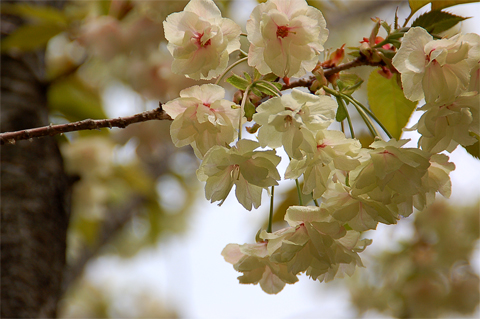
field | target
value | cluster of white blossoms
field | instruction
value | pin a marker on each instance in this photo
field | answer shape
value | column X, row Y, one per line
column 357, row 187
column 445, row 73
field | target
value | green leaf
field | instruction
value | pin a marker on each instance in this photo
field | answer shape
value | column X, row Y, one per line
column 75, row 100
column 31, row 36
column 269, row 77
column 238, row 82
column 38, row 13
column 474, row 149
column 247, row 76
column 348, row 83
column 249, row 109
column 417, row 4
column 386, row 26
column 256, row 75
column 440, row 4
column 341, row 111
column 437, row 21
column 436, row 5
column 388, row 103
column 265, row 88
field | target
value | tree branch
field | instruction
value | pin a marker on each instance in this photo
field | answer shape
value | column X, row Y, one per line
column 307, row 82
column 157, row 114
column 51, row 130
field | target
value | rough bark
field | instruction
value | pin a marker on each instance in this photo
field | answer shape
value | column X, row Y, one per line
column 34, row 193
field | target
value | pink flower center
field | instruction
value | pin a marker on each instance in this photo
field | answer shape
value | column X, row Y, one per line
column 198, row 41
column 323, row 145
column 282, row 31
column 428, row 56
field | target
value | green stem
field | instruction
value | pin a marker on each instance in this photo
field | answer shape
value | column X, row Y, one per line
column 300, row 200
column 242, row 108
column 245, row 54
column 270, row 216
column 315, row 201
column 229, row 68
column 270, row 87
column 349, row 120
column 368, row 122
column 339, row 96
column 369, row 114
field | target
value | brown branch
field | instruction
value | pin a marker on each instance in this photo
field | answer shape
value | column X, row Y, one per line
column 307, row 82
column 157, row 114
column 51, row 130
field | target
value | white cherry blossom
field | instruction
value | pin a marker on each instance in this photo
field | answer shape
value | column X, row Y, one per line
column 437, row 70
column 202, row 118
column 286, row 36
column 200, row 40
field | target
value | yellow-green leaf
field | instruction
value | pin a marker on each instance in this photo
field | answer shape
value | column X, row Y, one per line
column 437, row 21
column 38, row 13
column 440, row 4
column 388, row 103
column 75, row 100
column 474, row 149
column 436, row 4
column 417, row 4
column 31, row 36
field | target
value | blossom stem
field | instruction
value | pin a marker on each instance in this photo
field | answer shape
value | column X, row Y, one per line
column 242, row 108
column 229, row 68
column 370, row 113
column 300, row 200
column 270, row 215
column 315, row 201
column 341, row 104
column 267, row 85
column 368, row 122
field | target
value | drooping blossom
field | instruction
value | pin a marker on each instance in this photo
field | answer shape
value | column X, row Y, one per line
column 315, row 243
column 328, row 151
column 253, row 261
column 444, row 126
column 202, row 118
column 249, row 170
column 437, row 70
column 286, row 120
column 286, row 37
column 200, row 40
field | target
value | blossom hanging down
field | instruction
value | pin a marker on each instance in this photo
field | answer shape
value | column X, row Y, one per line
column 202, row 118
column 251, row 171
column 288, row 119
column 286, row 37
column 444, row 126
column 200, row 40
column 437, row 70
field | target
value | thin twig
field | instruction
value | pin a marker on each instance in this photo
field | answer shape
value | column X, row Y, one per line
column 89, row 124
column 157, row 114
column 307, row 82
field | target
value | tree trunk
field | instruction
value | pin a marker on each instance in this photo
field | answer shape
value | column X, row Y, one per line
column 34, row 193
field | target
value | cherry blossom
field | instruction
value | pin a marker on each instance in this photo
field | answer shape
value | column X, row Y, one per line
column 200, row 40
column 286, row 37
column 437, row 70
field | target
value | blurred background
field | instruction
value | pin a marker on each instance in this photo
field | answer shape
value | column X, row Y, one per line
column 142, row 239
